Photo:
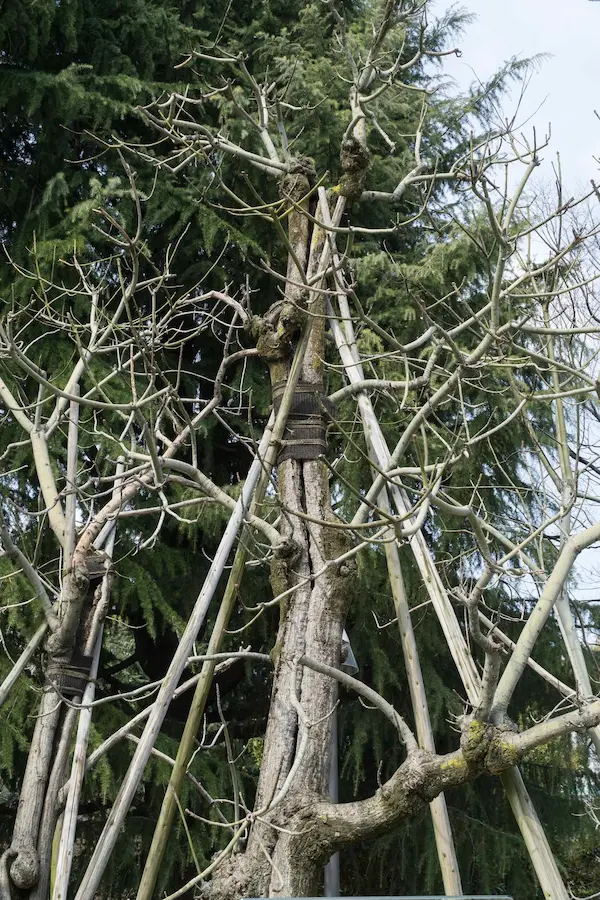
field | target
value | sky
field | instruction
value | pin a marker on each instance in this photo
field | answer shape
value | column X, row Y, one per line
column 565, row 90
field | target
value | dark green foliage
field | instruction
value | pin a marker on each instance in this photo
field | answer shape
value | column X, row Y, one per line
column 72, row 76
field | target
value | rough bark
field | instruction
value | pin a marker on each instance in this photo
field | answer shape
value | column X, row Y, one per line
column 318, row 827
column 37, row 813
column 24, row 869
column 311, row 617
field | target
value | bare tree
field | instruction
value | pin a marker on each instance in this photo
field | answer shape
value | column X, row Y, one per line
column 526, row 340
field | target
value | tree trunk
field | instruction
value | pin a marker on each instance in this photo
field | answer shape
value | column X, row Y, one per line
column 276, row 863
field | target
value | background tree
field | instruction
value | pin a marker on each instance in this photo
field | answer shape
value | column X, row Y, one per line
column 404, row 262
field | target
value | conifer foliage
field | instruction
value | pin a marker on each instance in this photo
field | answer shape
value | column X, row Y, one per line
column 282, row 353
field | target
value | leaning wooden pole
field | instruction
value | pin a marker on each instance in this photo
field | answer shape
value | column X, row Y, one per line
column 438, row 808
column 188, row 739
column 444, row 840
column 19, row 666
column 527, row 819
column 187, row 744
column 108, row 838
column 564, row 614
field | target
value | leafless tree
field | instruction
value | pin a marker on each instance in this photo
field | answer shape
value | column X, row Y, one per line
column 540, row 305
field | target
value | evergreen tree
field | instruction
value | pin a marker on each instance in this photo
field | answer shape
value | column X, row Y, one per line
column 82, row 71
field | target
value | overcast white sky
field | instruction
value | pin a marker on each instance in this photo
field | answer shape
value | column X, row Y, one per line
column 567, row 86
column 566, row 89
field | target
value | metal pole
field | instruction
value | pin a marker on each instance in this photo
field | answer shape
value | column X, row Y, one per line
column 332, row 869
